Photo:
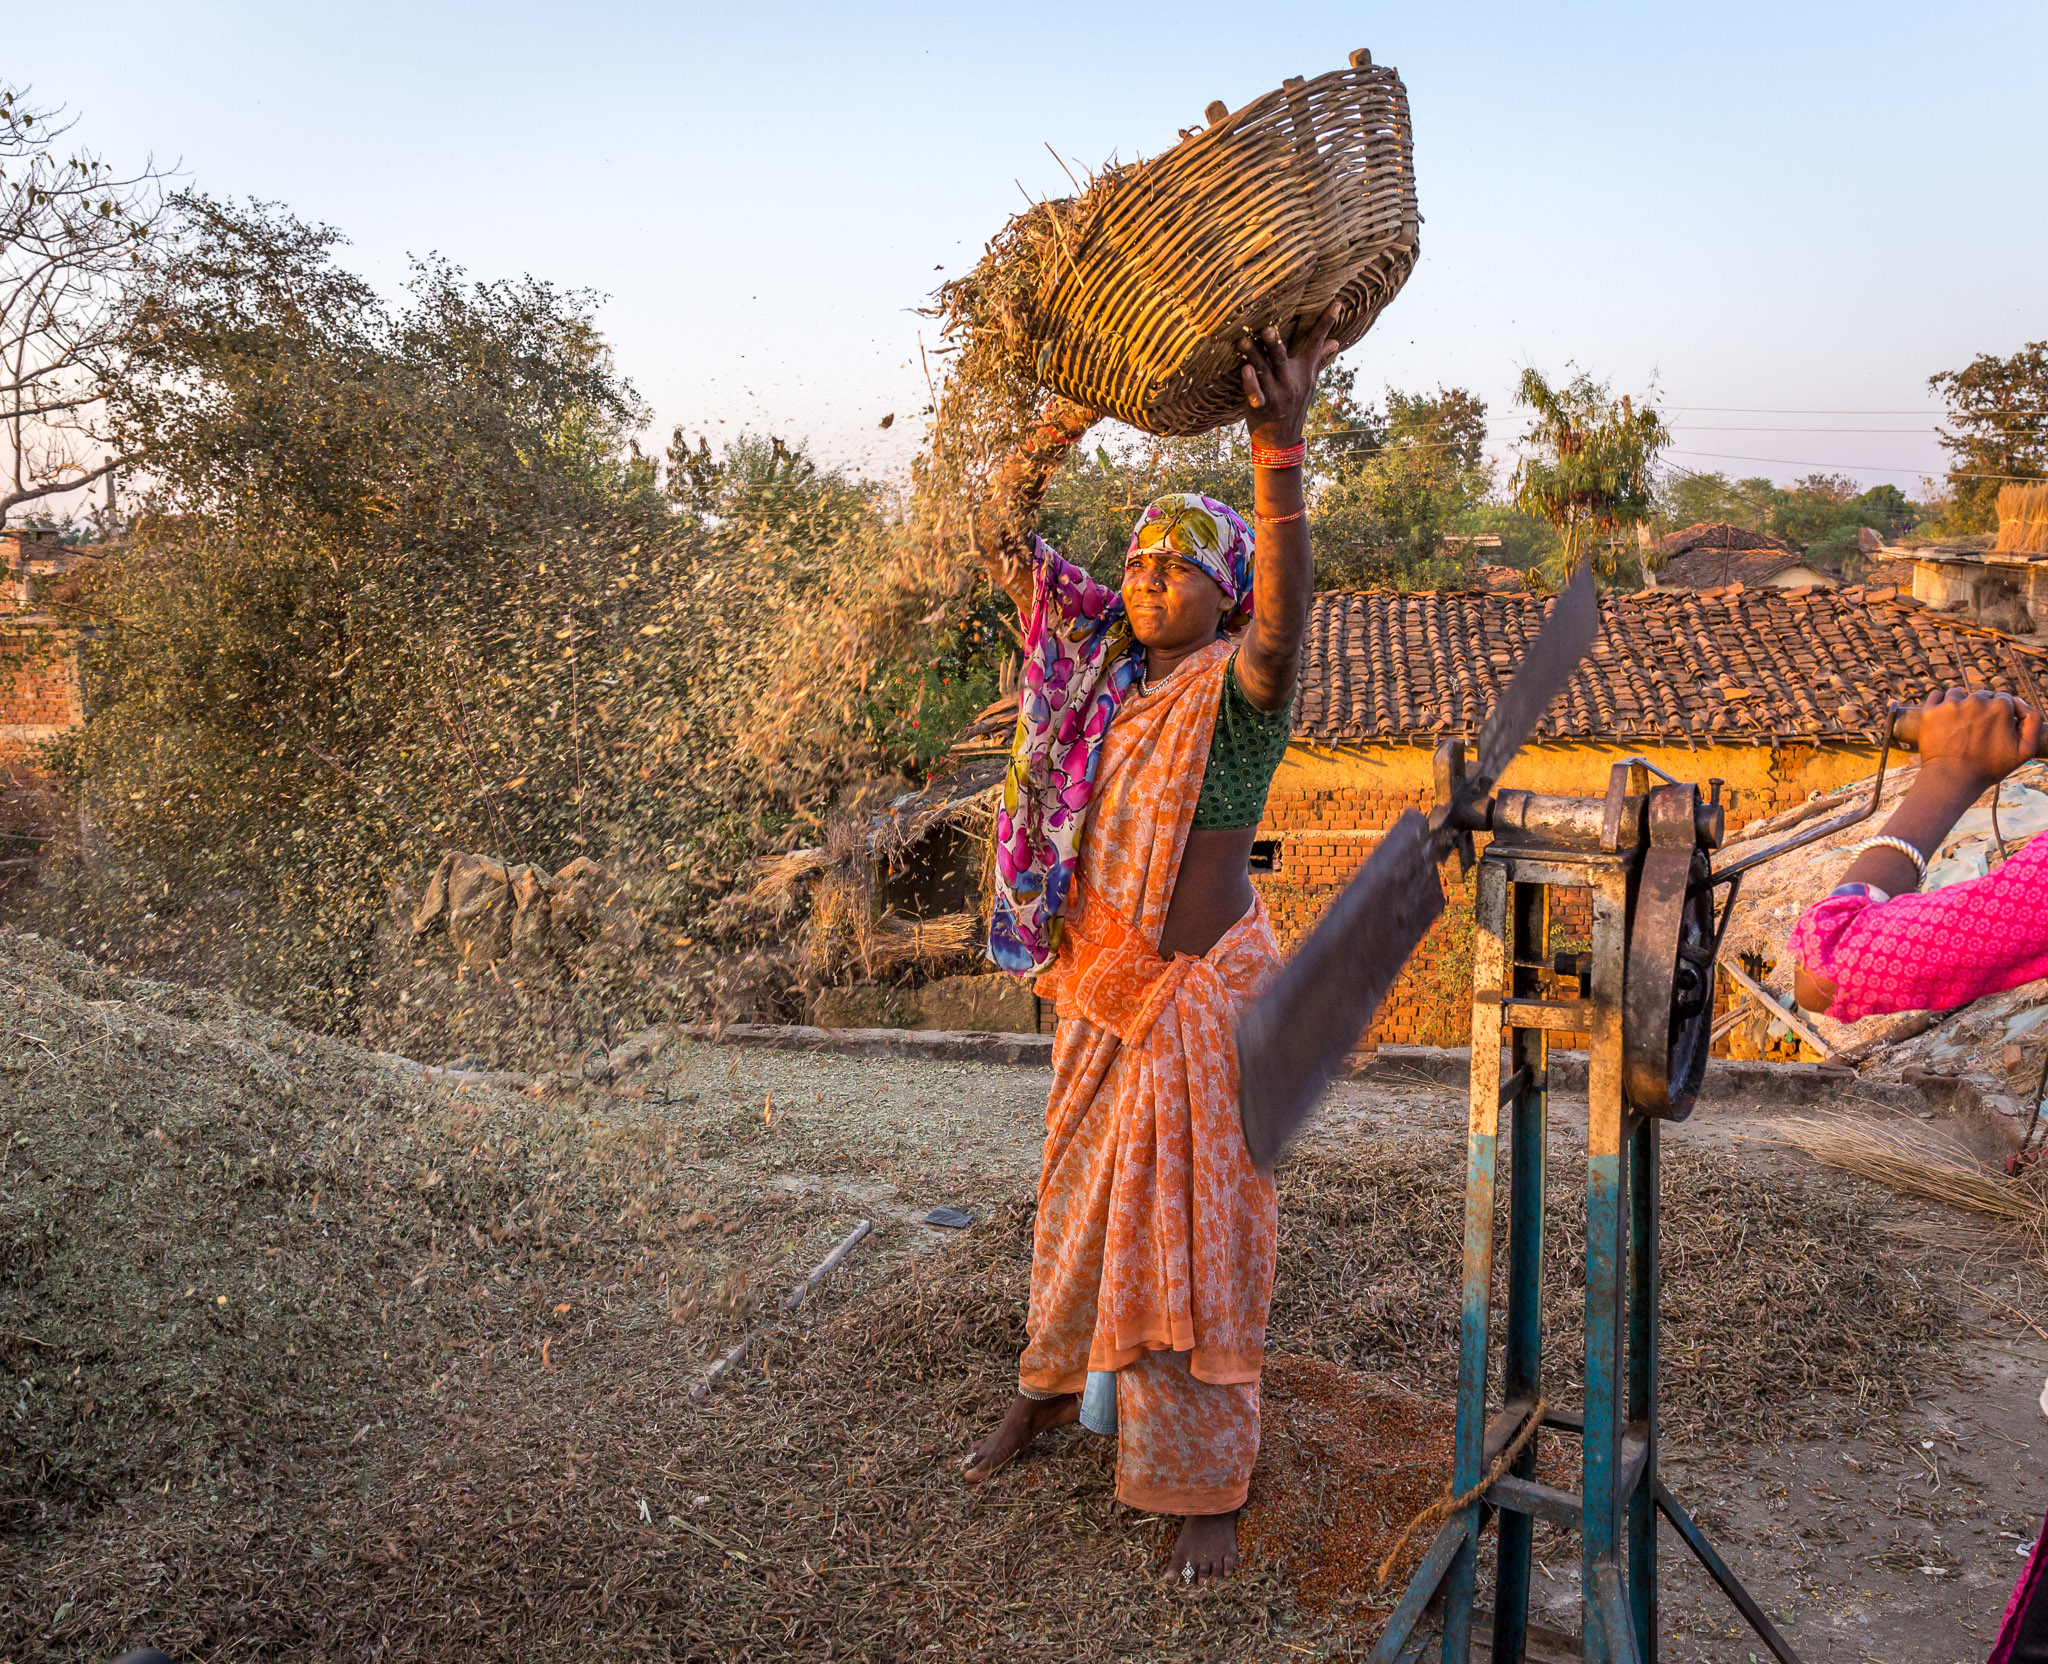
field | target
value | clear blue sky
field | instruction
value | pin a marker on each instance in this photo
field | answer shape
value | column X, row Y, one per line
column 1789, row 214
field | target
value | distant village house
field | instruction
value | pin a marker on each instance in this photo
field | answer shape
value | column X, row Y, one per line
column 1712, row 554
column 39, row 685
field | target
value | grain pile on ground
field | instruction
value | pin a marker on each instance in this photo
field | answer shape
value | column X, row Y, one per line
column 302, row 1346
column 1343, row 1467
column 306, row 1354
column 1779, row 1290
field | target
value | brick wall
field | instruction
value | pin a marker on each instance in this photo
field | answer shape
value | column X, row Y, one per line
column 39, row 691
column 1326, row 811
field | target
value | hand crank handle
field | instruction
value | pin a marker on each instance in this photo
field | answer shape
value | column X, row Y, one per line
column 1906, row 730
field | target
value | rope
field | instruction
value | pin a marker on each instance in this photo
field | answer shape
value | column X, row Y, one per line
column 1447, row 1505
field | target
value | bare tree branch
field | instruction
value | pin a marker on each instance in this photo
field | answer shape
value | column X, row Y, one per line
column 71, row 230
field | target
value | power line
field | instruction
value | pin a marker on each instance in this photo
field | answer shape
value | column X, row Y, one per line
column 1861, row 467
column 1775, row 410
column 1706, row 427
column 1770, row 410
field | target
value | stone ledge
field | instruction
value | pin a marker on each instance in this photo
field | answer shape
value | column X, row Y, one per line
column 1789, row 1084
column 936, row 1045
column 1728, row 1080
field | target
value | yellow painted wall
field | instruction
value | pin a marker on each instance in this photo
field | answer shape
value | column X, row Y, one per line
column 1785, row 773
column 1329, row 804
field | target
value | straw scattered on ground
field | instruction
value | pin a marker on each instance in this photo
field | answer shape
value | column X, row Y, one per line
column 1779, row 1289
column 307, row 1356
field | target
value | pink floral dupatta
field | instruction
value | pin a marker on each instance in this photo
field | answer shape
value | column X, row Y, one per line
column 1080, row 659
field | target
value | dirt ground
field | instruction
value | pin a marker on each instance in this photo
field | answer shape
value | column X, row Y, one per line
column 306, row 1354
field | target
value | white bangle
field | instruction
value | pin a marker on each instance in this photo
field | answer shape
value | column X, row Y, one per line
column 1919, row 861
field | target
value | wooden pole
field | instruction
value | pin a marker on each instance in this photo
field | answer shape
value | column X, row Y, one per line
column 824, row 1269
column 1763, row 996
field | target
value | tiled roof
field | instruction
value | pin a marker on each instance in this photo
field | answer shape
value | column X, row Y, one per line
column 1713, row 568
column 1729, row 666
column 1716, row 534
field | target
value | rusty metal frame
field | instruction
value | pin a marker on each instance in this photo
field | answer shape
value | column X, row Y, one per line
column 1620, row 1496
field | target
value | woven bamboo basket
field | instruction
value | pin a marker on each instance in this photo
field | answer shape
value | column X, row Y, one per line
column 1304, row 196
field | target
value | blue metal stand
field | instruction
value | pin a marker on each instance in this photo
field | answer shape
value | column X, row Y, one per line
column 1614, row 1512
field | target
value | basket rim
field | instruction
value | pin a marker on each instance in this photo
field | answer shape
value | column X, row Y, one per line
column 1191, row 153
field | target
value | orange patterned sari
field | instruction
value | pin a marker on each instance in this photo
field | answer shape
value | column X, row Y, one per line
column 1156, row 1237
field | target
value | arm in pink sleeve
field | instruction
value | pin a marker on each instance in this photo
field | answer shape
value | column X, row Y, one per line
column 1931, row 952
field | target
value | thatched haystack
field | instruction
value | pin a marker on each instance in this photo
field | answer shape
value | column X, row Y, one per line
column 2023, row 519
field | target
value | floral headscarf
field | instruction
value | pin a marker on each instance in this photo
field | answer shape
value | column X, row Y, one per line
column 1080, row 659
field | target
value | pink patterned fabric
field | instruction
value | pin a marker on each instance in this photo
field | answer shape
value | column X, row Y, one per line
column 2023, row 1635
column 1080, row 662
column 1931, row 952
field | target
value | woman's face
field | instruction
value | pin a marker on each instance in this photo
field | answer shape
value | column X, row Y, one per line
column 1172, row 603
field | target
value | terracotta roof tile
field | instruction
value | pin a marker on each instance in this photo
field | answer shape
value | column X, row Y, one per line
column 1733, row 665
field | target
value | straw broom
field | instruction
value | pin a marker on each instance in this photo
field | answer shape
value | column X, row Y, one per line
column 1932, row 1169
column 903, row 941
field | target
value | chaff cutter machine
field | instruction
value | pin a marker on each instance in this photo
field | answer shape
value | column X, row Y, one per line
column 1643, row 996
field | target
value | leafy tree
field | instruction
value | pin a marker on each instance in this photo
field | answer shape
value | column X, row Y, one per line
column 764, row 481
column 1382, row 514
column 1587, row 471
column 1451, row 420
column 1687, row 499
column 1386, row 487
column 1527, row 541
column 1998, row 429
column 405, row 584
column 1340, row 426
column 1821, row 513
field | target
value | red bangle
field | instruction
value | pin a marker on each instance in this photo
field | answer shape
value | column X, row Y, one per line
column 1280, row 519
column 1292, row 457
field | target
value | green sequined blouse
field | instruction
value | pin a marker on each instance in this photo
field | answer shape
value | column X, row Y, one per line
column 1246, row 749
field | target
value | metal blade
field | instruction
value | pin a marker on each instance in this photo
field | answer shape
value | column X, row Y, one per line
column 1291, row 1039
column 1540, row 677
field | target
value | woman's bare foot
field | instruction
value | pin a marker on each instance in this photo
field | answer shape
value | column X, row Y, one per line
column 1208, row 1545
column 1022, row 1422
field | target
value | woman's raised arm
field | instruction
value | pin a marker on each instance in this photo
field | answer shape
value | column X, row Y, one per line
column 1019, row 486
column 1858, row 953
column 1278, row 387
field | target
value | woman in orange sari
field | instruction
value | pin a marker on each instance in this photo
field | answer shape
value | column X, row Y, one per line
column 1151, row 720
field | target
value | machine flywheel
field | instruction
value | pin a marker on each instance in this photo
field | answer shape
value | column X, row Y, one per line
column 1668, row 997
